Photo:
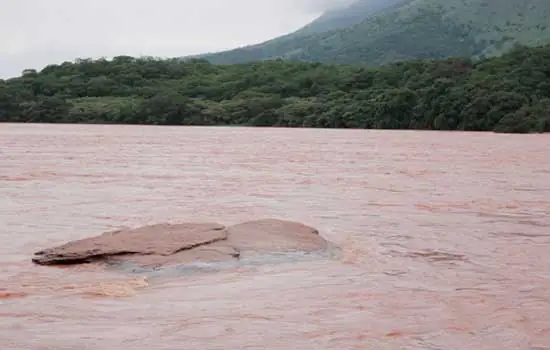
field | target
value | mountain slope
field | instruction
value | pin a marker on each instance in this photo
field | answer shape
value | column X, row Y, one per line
column 408, row 29
column 333, row 20
column 347, row 16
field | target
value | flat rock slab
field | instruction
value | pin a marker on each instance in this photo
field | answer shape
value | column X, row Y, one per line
column 267, row 236
column 174, row 244
column 154, row 240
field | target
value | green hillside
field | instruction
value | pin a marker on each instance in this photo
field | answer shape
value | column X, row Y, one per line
column 347, row 16
column 408, row 29
column 510, row 93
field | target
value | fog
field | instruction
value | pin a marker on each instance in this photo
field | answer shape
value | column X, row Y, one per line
column 35, row 33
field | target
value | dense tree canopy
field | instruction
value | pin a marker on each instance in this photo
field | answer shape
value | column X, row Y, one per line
column 506, row 94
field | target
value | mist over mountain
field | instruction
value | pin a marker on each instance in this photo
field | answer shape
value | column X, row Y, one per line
column 346, row 14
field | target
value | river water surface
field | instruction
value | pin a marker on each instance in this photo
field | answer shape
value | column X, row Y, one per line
column 445, row 238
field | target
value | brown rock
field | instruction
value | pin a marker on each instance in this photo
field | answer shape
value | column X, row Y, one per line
column 160, row 240
column 271, row 235
column 171, row 244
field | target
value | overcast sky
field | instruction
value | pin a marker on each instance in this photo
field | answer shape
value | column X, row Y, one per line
column 34, row 33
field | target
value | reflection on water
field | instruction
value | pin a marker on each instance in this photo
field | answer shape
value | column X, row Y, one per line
column 444, row 238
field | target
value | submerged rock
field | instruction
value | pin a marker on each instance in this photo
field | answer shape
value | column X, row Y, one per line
column 175, row 244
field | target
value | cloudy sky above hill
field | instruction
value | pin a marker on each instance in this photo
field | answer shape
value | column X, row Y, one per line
column 35, row 33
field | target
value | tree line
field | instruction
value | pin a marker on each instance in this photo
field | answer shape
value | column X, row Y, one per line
column 510, row 93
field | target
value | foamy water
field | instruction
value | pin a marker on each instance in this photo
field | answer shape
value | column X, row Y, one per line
column 444, row 236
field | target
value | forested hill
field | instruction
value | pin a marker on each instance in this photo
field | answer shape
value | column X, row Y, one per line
column 376, row 32
column 348, row 16
column 505, row 94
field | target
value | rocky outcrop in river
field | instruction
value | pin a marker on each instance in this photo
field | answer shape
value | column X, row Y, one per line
column 172, row 244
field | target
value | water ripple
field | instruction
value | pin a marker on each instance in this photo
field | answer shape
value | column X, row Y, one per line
column 443, row 236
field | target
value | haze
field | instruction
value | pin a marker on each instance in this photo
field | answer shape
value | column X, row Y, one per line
column 35, row 33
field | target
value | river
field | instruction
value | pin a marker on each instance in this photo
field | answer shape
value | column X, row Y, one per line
column 445, row 238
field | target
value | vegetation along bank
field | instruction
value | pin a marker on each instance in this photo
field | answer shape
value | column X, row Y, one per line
column 510, row 93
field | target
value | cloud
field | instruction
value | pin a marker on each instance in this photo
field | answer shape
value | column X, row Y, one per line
column 35, row 33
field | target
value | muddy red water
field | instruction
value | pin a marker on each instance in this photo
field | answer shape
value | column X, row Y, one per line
column 445, row 238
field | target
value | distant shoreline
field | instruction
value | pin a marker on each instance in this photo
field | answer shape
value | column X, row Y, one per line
column 271, row 128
